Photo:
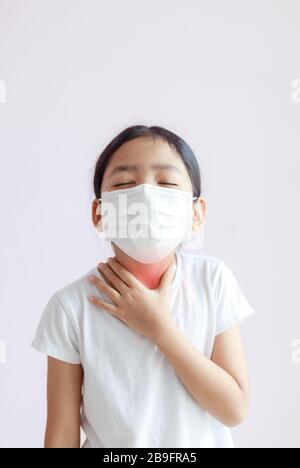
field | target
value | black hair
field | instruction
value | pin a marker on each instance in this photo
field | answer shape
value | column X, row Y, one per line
column 135, row 131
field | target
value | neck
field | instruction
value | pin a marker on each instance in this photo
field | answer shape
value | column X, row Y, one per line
column 147, row 273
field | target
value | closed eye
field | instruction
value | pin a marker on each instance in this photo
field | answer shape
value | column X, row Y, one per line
column 160, row 183
column 123, row 183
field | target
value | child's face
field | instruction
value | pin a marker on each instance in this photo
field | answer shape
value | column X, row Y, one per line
column 143, row 160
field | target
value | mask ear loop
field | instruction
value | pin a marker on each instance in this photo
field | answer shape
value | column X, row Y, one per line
column 107, row 250
column 202, row 226
column 196, row 198
column 98, row 211
column 188, row 245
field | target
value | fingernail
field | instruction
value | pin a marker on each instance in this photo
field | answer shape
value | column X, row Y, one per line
column 91, row 278
column 91, row 298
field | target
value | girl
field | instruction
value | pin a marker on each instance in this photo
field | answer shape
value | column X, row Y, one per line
column 144, row 350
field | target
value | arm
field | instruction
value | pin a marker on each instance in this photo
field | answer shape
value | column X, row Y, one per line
column 219, row 385
column 63, row 404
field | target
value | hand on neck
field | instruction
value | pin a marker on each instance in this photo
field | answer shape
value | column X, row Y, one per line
column 147, row 273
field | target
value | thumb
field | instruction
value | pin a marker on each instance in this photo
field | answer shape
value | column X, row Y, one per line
column 167, row 277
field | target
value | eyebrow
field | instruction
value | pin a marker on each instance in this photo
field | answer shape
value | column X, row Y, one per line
column 132, row 168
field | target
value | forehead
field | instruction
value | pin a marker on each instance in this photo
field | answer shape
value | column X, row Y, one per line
column 143, row 151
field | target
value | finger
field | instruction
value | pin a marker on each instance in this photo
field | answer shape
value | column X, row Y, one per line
column 168, row 276
column 105, row 279
column 110, row 292
column 114, row 279
column 112, row 309
column 124, row 274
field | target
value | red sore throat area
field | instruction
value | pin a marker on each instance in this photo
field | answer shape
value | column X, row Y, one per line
column 147, row 273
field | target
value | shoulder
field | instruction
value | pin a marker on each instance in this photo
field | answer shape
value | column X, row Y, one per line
column 198, row 262
column 210, row 271
column 72, row 297
column 59, row 327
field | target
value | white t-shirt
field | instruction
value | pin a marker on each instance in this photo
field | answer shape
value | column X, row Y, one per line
column 132, row 396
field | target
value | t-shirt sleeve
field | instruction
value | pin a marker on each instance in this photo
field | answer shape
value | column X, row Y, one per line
column 231, row 305
column 56, row 333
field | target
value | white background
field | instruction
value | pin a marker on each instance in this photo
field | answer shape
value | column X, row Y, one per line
column 217, row 73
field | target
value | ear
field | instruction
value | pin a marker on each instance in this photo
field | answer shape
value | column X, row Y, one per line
column 96, row 216
column 199, row 212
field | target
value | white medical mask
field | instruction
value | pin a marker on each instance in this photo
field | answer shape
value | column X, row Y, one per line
column 146, row 221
